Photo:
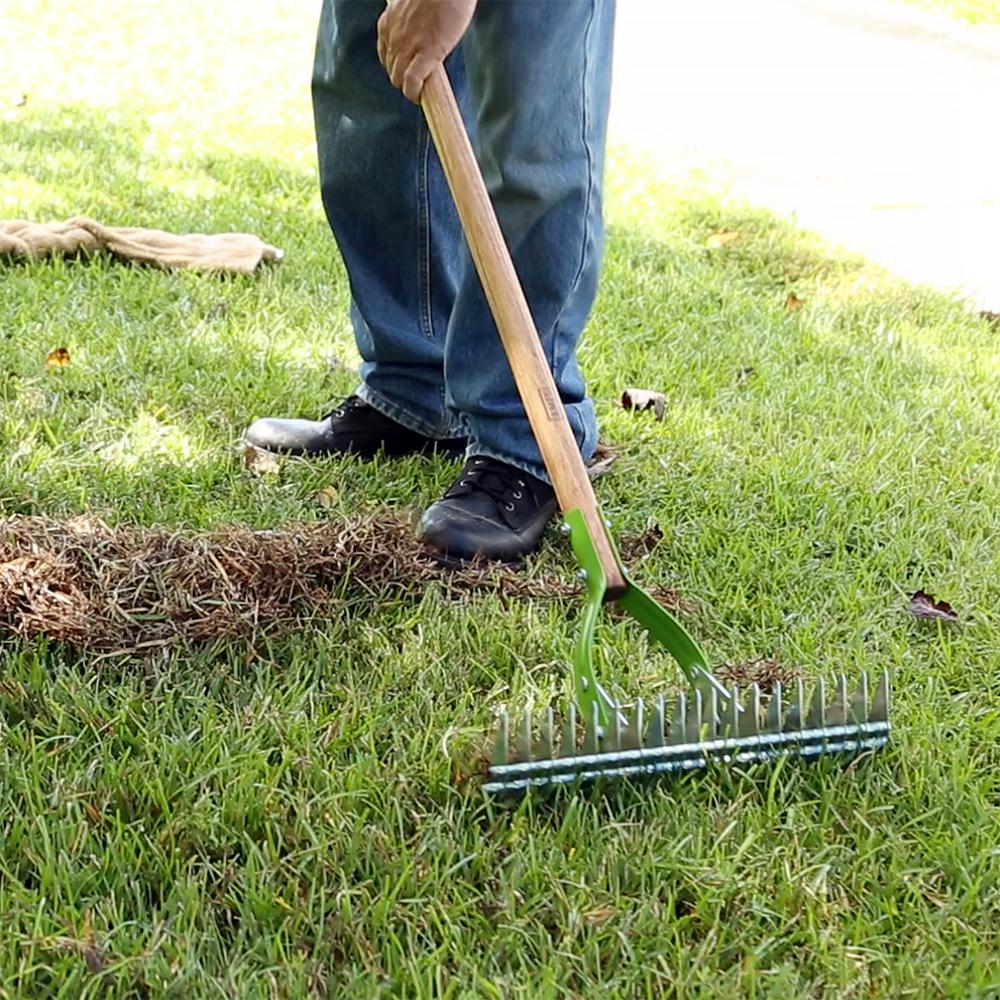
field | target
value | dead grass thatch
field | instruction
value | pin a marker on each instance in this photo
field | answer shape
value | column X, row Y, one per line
column 132, row 591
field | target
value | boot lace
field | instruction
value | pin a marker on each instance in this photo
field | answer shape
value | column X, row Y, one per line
column 499, row 481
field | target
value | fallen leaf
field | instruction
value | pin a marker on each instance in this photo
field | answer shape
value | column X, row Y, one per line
column 721, row 237
column 260, row 461
column 599, row 914
column 57, row 358
column 793, row 303
column 645, row 399
column 605, row 455
column 923, row 605
column 993, row 318
column 326, row 497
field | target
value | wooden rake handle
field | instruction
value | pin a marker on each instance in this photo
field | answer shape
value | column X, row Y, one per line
column 518, row 333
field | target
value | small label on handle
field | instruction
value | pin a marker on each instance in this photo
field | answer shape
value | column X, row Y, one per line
column 553, row 408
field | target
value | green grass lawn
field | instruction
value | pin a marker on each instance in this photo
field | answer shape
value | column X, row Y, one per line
column 288, row 814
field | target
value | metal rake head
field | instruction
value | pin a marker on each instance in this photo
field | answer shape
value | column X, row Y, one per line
column 698, row 727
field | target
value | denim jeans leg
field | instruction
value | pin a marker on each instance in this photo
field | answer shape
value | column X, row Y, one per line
column 538, row 78
column 388, row 206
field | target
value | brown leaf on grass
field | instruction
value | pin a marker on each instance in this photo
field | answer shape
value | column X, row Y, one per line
column 645, row 399
column 599, row 914
column 793, row 303
column 923, row 605
column 58, row 358
column 86, row 946
column 327, row 496
column 605, row 455
column 993, row 318
column 260, row 461
column 721, row 237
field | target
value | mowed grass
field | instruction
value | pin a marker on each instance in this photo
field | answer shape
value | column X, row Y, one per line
column 294, row 816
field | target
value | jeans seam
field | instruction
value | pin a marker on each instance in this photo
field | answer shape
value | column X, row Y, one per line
column 424, row 233
column 588, row 200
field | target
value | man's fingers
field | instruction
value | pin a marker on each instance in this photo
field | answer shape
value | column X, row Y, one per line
column 415, row 75
column 383, row 39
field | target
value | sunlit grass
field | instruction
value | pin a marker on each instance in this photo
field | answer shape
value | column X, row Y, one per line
column 285, row 818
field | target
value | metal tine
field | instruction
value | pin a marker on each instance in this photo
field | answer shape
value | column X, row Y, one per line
column 632, row 737
column 796, row 714
column 859, row 701
column 731, row 727
column 654, row 735
column 750, row 719
column 836, row 714
column 592, row 730
column 613, row 732
column 567, row 745
column 524, row 738
column 547, row 737
column 711, row 715
column 816, row 718
column 692, row 724
column 500, row 744
column 880, row 703
column 775, row 710
column 677, row 720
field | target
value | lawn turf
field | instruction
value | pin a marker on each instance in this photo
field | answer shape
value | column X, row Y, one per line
column 296, row 814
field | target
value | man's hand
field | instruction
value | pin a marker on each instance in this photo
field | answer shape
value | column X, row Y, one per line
column 414, row 36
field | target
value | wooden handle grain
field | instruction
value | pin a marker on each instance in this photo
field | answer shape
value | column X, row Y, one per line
column 509, row 307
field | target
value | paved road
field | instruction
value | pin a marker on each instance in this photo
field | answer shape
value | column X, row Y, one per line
column 869, row 122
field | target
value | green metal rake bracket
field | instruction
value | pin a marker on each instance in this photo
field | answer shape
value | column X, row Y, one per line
column 658, row 622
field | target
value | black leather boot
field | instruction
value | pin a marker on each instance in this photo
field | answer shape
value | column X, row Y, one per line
column 492, row 510
column 353, row 427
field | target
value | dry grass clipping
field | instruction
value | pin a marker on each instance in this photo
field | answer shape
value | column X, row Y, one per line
column 134, row 592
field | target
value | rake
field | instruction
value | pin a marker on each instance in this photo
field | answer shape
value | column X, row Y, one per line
column 596, row 738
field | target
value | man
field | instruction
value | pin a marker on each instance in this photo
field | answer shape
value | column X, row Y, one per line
column 532, row 78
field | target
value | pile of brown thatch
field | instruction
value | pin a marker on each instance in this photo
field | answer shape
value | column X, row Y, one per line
column 132, row 591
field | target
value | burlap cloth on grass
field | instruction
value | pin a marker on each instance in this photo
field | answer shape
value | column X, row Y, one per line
column 238, row 252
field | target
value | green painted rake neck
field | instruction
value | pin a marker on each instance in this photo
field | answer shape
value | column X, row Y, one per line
column 662, row 626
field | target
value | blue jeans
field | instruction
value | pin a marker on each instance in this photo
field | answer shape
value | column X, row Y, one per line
column 532, row 78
